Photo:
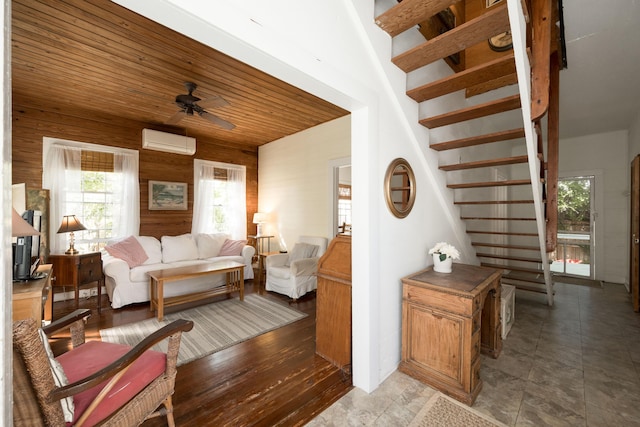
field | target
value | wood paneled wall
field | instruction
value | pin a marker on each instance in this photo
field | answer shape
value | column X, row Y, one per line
column 32, row 120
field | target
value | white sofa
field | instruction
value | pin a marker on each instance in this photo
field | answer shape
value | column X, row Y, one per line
column 127, row 285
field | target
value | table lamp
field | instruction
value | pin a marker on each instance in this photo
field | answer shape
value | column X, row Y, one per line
column 259, row 218
column 70, row 224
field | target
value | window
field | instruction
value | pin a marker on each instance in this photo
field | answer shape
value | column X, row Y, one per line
column 220, row 204
column 344, row 208
column 98, row 184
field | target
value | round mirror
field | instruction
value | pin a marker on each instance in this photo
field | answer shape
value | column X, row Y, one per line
column 400, row 188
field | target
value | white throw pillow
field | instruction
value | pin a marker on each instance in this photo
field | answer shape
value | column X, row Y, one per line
column 209, row 244
column 178, row 248
column 152, row 247
column 59, row 378
column 301, row 251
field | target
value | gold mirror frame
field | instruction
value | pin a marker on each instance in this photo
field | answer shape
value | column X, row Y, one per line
column 400, row 187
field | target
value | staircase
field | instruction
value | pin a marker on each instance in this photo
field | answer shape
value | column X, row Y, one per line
column 501, row 170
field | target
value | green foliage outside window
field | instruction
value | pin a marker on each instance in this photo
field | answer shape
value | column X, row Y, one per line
column 574, row 204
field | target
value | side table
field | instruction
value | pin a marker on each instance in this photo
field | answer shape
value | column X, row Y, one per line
column 77, row 271
column 261, row 270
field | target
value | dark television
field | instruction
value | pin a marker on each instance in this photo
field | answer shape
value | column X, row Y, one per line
column 26, row 249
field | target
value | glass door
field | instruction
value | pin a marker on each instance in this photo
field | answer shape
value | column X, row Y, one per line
column 576, row 225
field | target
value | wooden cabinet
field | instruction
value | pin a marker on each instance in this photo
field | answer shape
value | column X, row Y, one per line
column 447, row 321
column 77, row 271
column 33, row 298
column 333, row 304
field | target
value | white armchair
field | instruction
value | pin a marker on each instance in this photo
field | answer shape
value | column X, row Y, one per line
column 295, row 273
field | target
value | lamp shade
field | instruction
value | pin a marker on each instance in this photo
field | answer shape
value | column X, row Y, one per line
column 20, row 227
column 70, row 223
column 259, row 218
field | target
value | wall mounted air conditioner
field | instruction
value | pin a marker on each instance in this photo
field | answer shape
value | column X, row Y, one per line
column 168, row 142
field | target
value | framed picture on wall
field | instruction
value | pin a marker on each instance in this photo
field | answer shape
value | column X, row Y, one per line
column 167, row 196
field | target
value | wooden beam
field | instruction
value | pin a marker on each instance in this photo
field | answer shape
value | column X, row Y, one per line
column 473, row 112
column 487, row 25
column 541, row 48
column 408, row 13
column 553, row 142
column 473, row 76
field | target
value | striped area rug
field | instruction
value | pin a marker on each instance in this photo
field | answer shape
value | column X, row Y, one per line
column 217, row 326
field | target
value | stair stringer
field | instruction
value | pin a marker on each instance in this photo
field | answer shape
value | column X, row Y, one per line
column 523, row 70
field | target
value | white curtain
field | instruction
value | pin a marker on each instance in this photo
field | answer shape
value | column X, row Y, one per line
column 231, row 199
column 126, row 196
column 62, row 176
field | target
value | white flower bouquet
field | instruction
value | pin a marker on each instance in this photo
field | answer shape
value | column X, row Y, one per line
column 445, row 250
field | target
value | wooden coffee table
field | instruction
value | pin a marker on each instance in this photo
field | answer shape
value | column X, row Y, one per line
column 157, row 279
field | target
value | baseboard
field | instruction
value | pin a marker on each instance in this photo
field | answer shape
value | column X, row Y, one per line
column 84, row 294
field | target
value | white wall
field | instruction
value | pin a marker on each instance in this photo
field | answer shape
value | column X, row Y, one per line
column 294, row 180
column 334, row 50
column 606, row 156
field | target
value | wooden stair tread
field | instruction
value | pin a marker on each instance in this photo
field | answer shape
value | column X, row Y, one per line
column 509, row 257
column 485, row 26
column 540, row 289
column 479, row 74
column 493, row 202
column 473, row 112
column 502, row 233
column 409, row 13
column 497, row 245
column 495, row 218
column 490, row 184
column 486, row 163
column 505, row 135
column 538, row 278
column 512, row 268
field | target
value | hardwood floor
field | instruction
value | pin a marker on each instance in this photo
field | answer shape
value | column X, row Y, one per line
column 275, row 379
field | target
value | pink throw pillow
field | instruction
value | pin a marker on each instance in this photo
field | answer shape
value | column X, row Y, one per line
column 232, row 247
column 129, row 250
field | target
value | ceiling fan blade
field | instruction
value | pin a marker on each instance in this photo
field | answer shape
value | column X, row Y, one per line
column 217, row 120
column 175, row 118
column 213, row 101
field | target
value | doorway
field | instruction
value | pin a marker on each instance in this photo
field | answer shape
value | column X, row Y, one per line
column 340, row 196
column 576, row 228
column 634, row 262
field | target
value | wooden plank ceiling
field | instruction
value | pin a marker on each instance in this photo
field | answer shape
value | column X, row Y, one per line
column 96, row 57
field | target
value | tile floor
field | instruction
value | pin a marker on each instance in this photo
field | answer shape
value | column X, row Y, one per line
column 574, row 364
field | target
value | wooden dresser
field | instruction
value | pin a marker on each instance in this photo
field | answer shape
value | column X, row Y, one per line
column 333, row 304
column 447, row 320
column 33, row 298
column 77, row 271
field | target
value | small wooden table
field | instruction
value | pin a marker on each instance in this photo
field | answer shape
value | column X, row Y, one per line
column 262, row 259
column 447, row 321
column 33, row 298
column 157, row 279
column 77, row 271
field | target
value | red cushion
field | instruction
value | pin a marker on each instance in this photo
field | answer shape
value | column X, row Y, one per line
column 95, row 355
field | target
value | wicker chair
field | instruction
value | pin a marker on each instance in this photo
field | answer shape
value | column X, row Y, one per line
column 37, row 398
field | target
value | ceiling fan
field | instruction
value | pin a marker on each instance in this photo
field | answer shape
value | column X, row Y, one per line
column 190, row 104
